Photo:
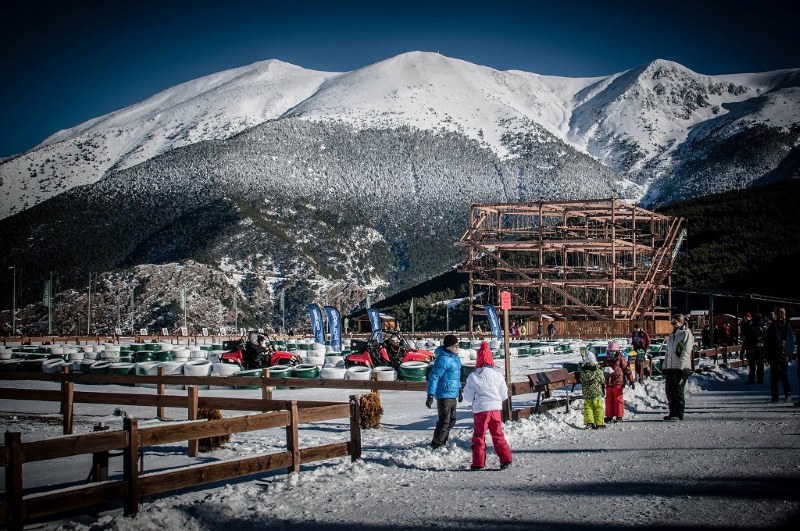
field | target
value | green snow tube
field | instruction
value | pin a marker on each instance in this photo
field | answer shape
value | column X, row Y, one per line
column 413, row 371
column 305, row 371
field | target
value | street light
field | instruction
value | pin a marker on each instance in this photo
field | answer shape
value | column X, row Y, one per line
column 14, row 303
column 89, row 310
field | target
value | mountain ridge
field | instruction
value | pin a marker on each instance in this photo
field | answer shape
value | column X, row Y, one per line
column 623, row 128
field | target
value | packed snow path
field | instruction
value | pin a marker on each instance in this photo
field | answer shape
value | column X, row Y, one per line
column 732, row 463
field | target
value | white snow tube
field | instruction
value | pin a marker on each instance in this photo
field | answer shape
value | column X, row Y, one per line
column 171, row 368
column 333, row 361
column 319, row 361
column 333, row 373
column 359, row 373
column 53, row 365
column 197, row 367
column 385, row 374
column 225, row 369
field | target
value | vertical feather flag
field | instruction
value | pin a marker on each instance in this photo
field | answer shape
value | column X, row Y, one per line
column 334, row 327
column 375, row 323
column 494, row 322
column 316, row 323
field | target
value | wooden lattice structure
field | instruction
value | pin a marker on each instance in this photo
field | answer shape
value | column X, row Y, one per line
column 582, row 260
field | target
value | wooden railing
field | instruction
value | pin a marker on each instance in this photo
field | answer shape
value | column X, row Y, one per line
column 18, row 508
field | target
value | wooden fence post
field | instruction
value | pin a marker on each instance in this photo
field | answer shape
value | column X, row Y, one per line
column 194, row 444
column 67, row 401
column 266, row 390
column 160, row 391
column 374, row 377
column 16, row 513
column 293, row 437
column 130, row 468
column 355, row 428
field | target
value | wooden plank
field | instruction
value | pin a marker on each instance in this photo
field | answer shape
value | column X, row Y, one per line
column 315, row 414
column 13, row 471
column 211, row 428
column 188, row 477
column 130, row 468
column 240, row 404
column 83, row 497
column 320, row 453
column 160, row 392
column 293, row 438
column 3, row 456
column 355, row 428
column 32, row 376
column 191, row 414
column 67, row 405
column 71, row 445
column 91, row 397
column 30, row 394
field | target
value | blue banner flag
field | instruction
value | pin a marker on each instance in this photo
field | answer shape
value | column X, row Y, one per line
column 316, row 323
column 494, row 322
column 375, row 323
column 334, row 327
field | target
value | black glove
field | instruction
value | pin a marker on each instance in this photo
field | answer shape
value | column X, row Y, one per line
column 633, row 385
column 460, row 395
column 429, row 401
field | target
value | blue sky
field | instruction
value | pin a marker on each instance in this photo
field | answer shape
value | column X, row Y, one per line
column 65, row 62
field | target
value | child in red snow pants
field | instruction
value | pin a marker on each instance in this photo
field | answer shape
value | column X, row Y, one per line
column 615, row 404
column 494, row 422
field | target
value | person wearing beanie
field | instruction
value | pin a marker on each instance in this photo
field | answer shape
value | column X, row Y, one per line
column 617, row 371
column 677, row 367
column 593, row 389
column 444, row 384
column 486, row 388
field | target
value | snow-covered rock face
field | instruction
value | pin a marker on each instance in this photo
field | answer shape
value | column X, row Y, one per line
column 636, row 122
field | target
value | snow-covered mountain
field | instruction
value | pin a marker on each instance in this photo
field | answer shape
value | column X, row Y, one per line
column 640, row 122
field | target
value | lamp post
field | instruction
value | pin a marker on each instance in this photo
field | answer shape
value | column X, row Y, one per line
column 14, row 302
column 89, row 311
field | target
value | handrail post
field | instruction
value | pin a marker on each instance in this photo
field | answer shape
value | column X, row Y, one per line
column 16, row 513
column 160, row 391
column 355, row 428
column 130, row 468
column 266, row 390
column 293, row 437
column 193, row 396
column 67, row 401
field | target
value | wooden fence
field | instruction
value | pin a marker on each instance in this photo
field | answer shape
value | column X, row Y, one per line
column 19, row 508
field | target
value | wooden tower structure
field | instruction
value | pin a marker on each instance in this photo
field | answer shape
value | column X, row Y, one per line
column 578, row 260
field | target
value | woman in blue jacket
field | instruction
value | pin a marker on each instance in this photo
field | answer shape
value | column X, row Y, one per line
column 444, row 384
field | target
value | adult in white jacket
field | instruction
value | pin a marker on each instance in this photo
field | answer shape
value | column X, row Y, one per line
column 486, row 389
column 677, row 366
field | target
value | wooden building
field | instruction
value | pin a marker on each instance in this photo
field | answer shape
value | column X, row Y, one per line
column 602, row 260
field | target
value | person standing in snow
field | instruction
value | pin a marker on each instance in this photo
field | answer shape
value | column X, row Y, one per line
column 640, row 339
column 486, row 388
column 617, row 371
column 677, row 366
column 444, row 384
column 551, row 330
column 780, row 346
column 593, row 389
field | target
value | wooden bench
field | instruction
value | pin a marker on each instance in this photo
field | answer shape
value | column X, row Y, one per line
column 543, row 383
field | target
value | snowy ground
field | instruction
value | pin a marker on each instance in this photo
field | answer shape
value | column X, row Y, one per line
column 733, row 463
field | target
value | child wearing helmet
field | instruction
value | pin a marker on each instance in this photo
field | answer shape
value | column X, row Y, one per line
column 592, row 389
column 617, row 371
